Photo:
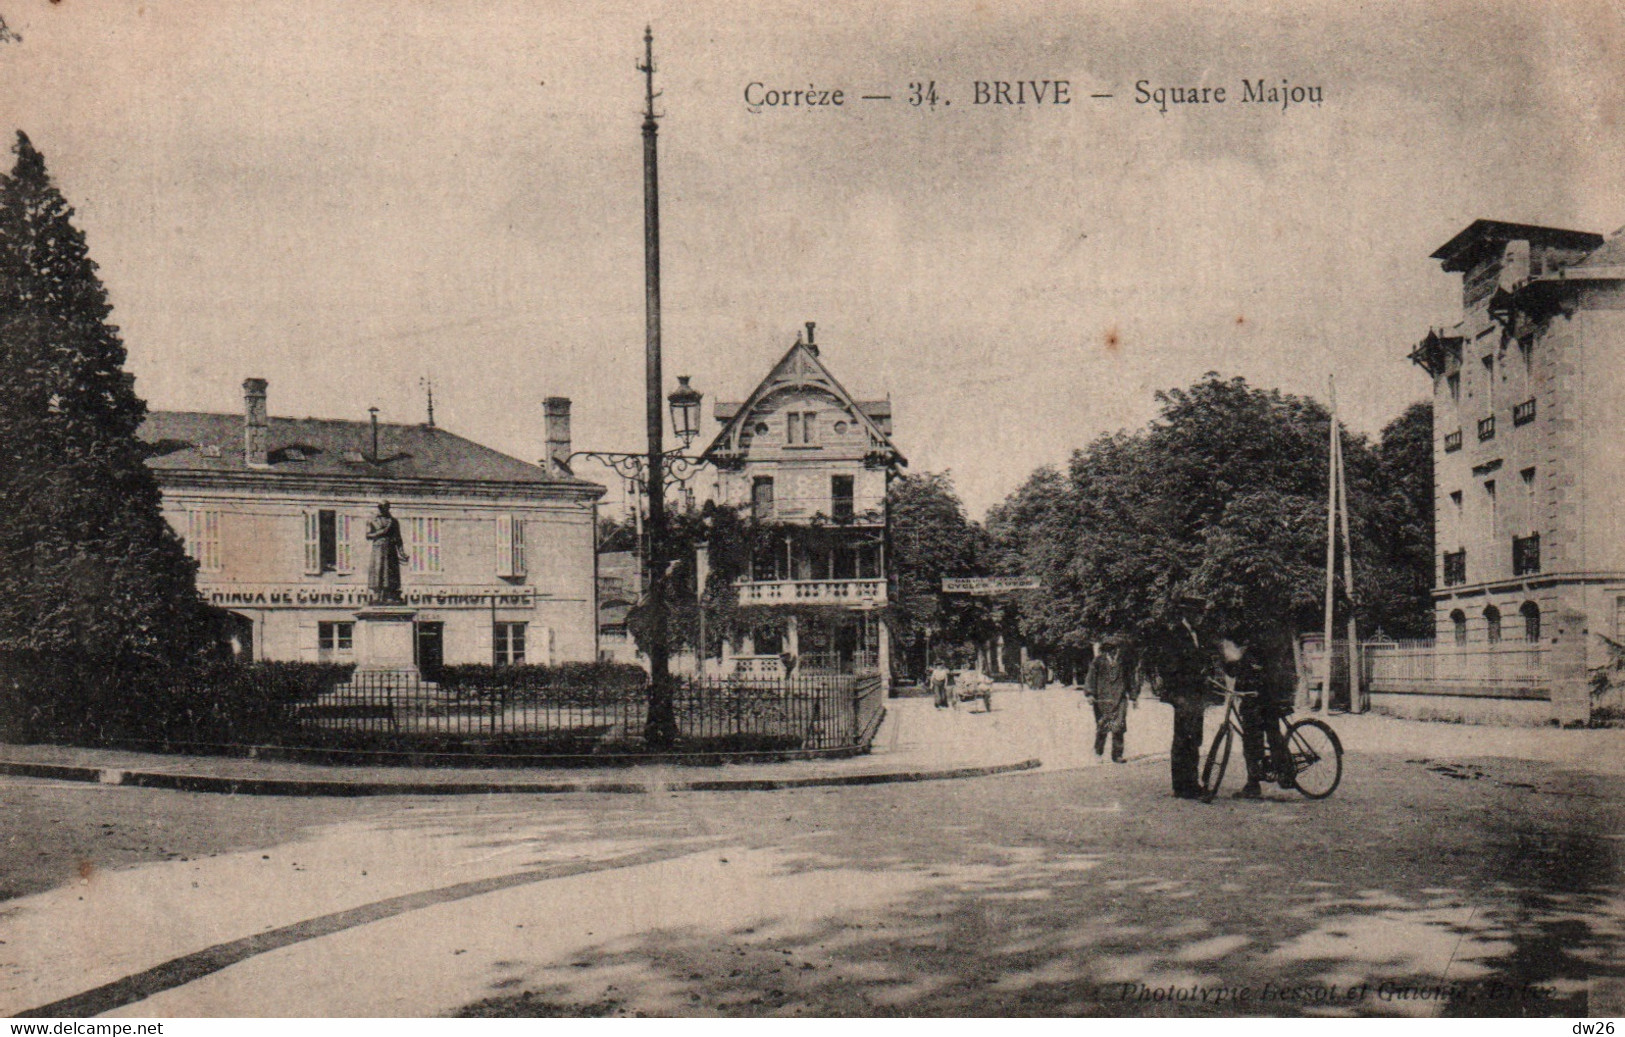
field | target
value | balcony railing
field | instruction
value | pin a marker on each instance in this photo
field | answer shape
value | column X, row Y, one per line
column 1526, row 555
column 1455, row 567
column 1524, row 412
column 841, row 511
column 1486, row 428
column 856, row 593
column 1452, row 441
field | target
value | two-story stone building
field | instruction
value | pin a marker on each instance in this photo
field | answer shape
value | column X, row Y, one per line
column 274, row 510
column 1529, row 422
column 808, row 458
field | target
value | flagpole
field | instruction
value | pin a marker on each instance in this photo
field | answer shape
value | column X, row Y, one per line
column 1356, row 704
column 1331, row 545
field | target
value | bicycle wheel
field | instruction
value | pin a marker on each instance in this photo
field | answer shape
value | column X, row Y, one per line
column 1218, row 757
column 1317, row 757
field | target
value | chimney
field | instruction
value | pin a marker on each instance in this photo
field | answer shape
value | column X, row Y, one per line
column 812, row 346
column 256, row 426
column 557, row 411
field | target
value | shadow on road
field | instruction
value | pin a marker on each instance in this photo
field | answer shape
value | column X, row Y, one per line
column 1410, row 894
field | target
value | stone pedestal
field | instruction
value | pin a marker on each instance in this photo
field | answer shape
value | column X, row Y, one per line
column 383, row 640
column 386, row 674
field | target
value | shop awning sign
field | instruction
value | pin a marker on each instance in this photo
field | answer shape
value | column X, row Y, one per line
column 988, row 585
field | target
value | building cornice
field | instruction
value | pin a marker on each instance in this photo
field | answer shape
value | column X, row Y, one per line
column 1526, row 583
column 278, row 483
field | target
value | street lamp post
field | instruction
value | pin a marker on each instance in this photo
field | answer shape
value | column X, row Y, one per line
column 651, row 469
column 651, row 473
column 661, row 730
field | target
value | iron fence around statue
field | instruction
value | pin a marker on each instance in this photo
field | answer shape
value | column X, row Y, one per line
column 714, row 714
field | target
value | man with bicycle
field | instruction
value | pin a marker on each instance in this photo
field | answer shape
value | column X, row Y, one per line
column 1268, row 697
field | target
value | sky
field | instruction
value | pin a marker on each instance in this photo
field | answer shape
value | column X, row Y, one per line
column 348, row 197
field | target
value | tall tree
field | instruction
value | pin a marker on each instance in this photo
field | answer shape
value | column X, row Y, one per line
column 97, row 596
column 1031, row 534
column 1400, row 601
column 931, row 538
column 1221, row 499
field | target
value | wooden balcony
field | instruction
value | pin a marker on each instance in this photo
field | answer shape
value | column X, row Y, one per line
column 858, row 594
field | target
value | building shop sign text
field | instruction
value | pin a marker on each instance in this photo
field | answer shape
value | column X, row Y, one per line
column 294, row 596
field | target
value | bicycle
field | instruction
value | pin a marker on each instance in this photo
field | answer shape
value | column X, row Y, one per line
column 1314, row 751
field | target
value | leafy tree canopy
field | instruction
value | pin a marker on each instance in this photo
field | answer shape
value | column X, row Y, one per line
column 1217, row 511
column 931, row 538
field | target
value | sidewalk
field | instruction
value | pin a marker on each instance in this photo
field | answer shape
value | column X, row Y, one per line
column 1053, row 728
column 915, row 743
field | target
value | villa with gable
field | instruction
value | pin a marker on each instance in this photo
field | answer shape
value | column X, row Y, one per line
column 804, row 458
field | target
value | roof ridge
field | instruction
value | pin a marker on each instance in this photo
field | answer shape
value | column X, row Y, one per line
column 364, row 423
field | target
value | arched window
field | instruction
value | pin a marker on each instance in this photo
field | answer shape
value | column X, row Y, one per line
column 1492, row 625
column 1458, row 621
column 1531, row 621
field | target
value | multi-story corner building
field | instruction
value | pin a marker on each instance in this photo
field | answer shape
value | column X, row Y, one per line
column 499, row 551
column 812, row 463
column 1529, row 449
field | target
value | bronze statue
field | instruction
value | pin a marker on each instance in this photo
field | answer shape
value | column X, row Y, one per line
column 388, row 552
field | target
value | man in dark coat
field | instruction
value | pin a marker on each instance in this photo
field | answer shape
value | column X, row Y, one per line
column 1111, row 688
column 1257, row 667
column 1184, row 668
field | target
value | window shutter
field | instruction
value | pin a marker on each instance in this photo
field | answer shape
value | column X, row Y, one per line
column 504, row 545
column 423, row 544
column 214, row 541
column 309, row 637
column 342, row 530
column 518, row 546
column 313, row 543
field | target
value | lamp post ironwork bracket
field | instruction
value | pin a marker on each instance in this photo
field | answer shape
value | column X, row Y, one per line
column 679, row 468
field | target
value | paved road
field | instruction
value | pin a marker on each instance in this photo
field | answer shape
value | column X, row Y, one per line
column 1479, row 883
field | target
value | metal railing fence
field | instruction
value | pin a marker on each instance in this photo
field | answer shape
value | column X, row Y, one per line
column 714, row 714
column 1508, row 669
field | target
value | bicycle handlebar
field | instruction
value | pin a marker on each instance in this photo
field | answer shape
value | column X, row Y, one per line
column 1230, row 689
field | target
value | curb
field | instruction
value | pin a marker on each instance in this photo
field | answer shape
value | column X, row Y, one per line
column 303, row 787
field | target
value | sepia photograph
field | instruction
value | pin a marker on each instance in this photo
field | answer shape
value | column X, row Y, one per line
column 791, row 509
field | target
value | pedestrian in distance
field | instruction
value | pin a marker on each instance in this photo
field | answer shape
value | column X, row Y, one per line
column 1035, row 674
column 1111, row 690
column 939, row 685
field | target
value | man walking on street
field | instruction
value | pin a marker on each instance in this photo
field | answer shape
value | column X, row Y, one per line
column 1111, row 689
column 939, row 686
